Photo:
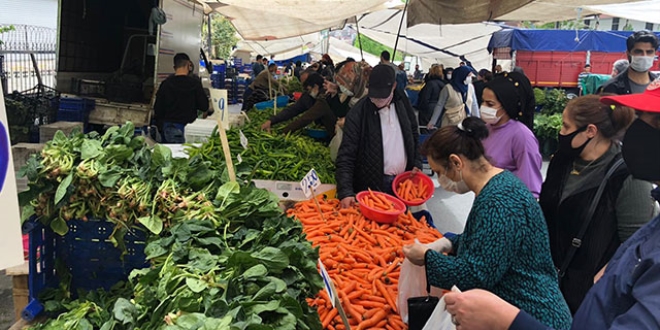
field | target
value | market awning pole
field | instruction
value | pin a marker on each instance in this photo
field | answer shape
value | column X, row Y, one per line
column 357, row 26
column 226, row 150
column 396, row 43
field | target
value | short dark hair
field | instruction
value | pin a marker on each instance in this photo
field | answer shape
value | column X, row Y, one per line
column 587, row 65
column 314, row 79
column 259, row 57
column 642, row 36
column 464, row 141
column 298, row 63
column 272, row 65
column 181, row 60
column 385, row 55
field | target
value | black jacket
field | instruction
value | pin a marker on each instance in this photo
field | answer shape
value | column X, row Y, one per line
column 620, row 84
column 360, row 162
column 178, row 99
column 303, row 104
column 565, row 217
column 428, row 97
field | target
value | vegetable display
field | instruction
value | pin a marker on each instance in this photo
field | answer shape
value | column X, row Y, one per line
column 269, row 156
column 362, row 258
column 377, row 201
column 222, row 255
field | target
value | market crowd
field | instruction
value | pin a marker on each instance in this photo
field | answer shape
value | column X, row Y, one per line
column 579, row 249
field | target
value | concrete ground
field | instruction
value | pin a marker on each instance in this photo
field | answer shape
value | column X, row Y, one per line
column 6, row 302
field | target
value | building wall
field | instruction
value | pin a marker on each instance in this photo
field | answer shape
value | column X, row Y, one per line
column 29, row 12
column 607, row 24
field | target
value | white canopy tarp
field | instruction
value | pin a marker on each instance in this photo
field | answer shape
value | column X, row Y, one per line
column 340, row 50
column 555, row 10
column 277, row 19
column 459, row 12
column 440, row 43
column 645, row 11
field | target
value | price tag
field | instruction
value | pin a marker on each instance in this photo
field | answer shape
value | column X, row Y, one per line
column 327, row 282
column 244, row 140
column 239, row 158
column 310, row 182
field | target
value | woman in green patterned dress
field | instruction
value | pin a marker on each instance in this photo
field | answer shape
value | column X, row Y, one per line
column 504, row 247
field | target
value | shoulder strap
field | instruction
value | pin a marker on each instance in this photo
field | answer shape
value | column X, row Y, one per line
column 577, row 240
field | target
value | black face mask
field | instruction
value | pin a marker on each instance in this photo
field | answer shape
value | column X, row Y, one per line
column 565, row 144
column 641, row 151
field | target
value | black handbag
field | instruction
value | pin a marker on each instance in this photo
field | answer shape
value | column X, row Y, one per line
column 421, row 308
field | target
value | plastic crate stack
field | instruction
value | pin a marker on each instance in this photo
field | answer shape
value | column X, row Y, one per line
column 75, row 109
column 241, row 85
column 87, row 254
column 231, row 86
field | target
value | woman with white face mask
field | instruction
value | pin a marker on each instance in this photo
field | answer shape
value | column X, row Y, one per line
column 504, row 246
column 508, row 109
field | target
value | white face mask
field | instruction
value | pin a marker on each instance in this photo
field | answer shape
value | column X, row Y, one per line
column 468, row 80
column 449, row 76
column 453, row 186
column 489, row 115
column 641, row 63
column 345, row 91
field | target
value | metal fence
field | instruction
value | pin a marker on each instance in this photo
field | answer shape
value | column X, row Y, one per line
column 24, row 50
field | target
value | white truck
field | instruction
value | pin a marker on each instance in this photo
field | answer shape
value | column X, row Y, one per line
column 118, row 52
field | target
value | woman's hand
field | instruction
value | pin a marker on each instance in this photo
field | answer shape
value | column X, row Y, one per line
column 415, row 253
column 266, row 126
column 480, row 309
column 430, row 126
column 330, row 87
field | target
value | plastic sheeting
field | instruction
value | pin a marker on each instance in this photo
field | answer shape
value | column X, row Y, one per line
column 459, row 12
column 278, row 19
column 645, row 11
column 438, row 43
column 555, row 10
column 560, row 40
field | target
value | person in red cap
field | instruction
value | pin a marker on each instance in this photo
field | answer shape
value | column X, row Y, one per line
column 627, row 296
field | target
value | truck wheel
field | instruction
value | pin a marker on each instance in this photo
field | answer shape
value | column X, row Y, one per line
column 572, row 93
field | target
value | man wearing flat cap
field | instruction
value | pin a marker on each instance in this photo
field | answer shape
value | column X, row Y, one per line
column 380, row 139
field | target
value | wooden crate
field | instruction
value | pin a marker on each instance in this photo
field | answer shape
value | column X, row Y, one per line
column 20, row 290
column 22, row 151
column 46, row 132
column 119, row 114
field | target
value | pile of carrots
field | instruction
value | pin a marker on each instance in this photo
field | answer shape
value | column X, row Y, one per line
column 377, row 201
column 414, row 192
column 363, row 260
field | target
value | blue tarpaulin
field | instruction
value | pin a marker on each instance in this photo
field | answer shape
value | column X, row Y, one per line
column 302, row 58
column 560, row 40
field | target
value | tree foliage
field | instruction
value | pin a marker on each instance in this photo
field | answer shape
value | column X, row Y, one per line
column 374, row 47
column 4, row 29
column 223, row 36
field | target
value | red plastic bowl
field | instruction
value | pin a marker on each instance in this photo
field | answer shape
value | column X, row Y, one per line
column 430, row 188
column 378, row 215
column 297, row 95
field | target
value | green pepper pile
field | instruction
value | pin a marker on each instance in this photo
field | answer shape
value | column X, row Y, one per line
column 222, row 254
column 269, row 156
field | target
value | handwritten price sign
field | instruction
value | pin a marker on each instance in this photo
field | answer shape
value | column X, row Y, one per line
column 310, row 182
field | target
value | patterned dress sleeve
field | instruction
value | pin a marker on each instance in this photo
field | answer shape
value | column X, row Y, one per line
column 486, row 252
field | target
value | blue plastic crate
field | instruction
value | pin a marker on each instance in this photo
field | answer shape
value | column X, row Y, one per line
column 77, row 103
column 316, row 133
column 282, row 101
column 73, row 115
column 87, row 254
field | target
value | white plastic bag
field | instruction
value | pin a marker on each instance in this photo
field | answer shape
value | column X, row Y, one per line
column 412, row 283
column 440, row 318
column 336, row 142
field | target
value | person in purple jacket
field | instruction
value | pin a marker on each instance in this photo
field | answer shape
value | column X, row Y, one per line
column 627, row 296
column 508, row 109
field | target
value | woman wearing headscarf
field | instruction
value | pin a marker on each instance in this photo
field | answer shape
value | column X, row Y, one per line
column 328, row 67
column 508, row 110
column 457, row 100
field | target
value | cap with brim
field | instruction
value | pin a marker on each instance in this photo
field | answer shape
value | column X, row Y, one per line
column 381, row 81
column 648, row 101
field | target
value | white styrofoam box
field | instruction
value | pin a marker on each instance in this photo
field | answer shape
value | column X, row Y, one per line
column 21, row 152
column 287, row 190
column 178, row 150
